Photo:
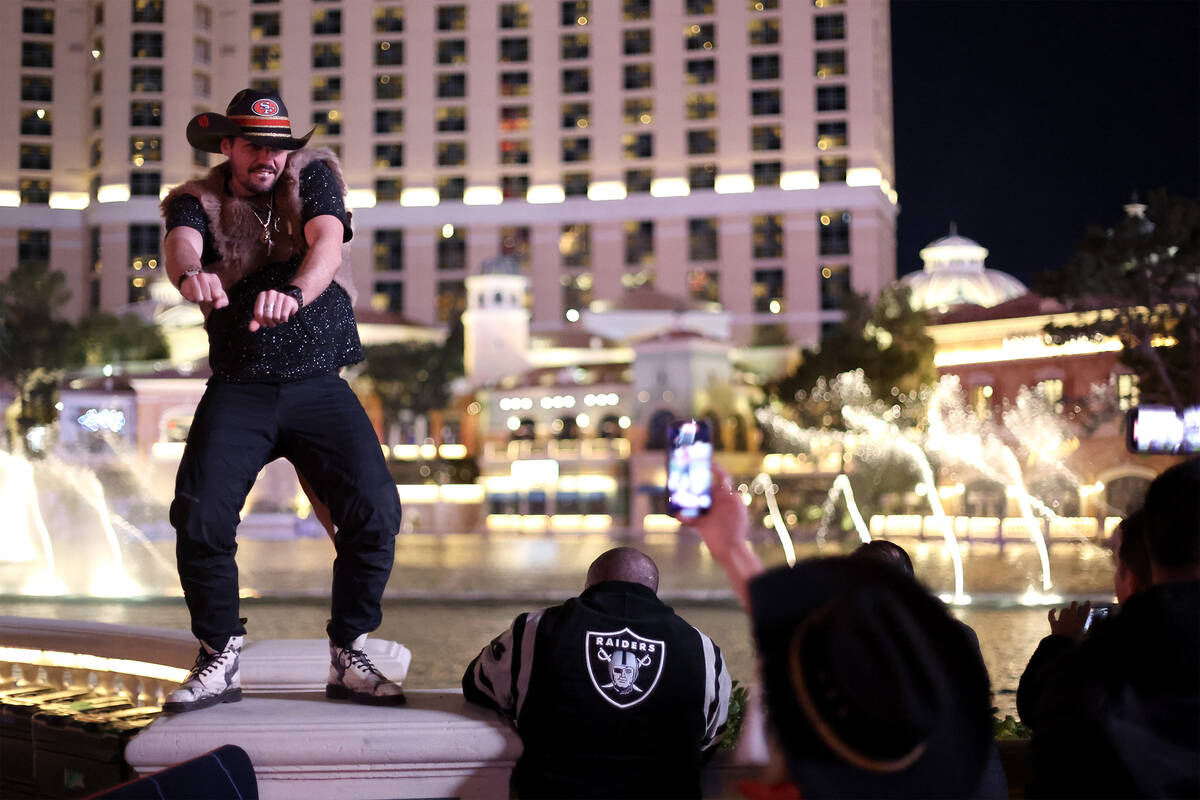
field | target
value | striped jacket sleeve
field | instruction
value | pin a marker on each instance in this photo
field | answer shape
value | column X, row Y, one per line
column 499, row 676
column 716, row 693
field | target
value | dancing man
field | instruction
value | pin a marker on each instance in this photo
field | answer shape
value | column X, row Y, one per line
column 258, row 243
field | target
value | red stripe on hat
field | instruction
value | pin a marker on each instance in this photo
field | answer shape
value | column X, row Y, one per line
column 262, row 122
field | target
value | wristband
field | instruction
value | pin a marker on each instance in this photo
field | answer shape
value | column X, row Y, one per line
column 190, row 272
column 293, row 291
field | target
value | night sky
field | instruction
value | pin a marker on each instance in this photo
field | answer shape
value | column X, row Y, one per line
column 1024, row 122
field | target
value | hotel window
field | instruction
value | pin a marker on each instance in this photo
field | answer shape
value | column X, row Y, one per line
column 452, row 51
column 514, row 84
column 327, row 123
column 145, row 79
column 573, row 12
column 831, row 98
column 827, row 3
column 766, row 173
column 265, row 57
column 702, row 176
column 577, row 293
column 34, row 191
column 766, row 137
column 388, row 190
column 638, row 180
column 575, row 115
column 834, row 233
column 698, row 8
column 832, row 169
column 452, row 84
column 389, row 20
column 97, row 83
column 829, row 27
column 702, row 239
column 702, row 105
column 576, row 148
column 514, row 51
column 768, row 291
column 452, row 18
column 764, row 102
column 700, row 37
column 636, row 10
column 389, row 249
column 37, row 54
column 1127, row 391
column 389, row 155
column 639, row 243
column 451, row 300
column 831, row 134
column 451, row 118
column 575, row 184
column 452, row 153
column 147, row 11
column 39, row 88
column 514, row 15
column 835, row 285
column 514, row 118
column 35, row 156
column 328, row 88
column 264, row 83
column 637, row 145
column 326, row 21
column 575, row 81
column 764, row 67
column 388, row 296
column 37, row 20
column 1052, row 393
column 764, row 31
column 638, row 41
column 575, row 46
column 763, row 5
column 451, row 187
column 389, row 120
column 514, row 187
column 452, row 249
column 145, row 184
column 96, row 153
column 830, row 63
column 97, row 117
column 201, row 85
column 389, row 53
column 35, row 122
column 514, row 151
column 704, row 285
column 264, row 25
column 514, row 241
column 202, row 51
column 639, row 76
column 702, row 142
column 144, row 148
column 575, row 245
column 145, row 114
column 33, row 247
column 701, row 70
column 768, row 236
column 389, row 87
column 980, row 398
column 143, row 246
column 199, row 159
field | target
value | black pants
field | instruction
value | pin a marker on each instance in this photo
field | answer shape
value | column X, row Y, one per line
column 319, row 425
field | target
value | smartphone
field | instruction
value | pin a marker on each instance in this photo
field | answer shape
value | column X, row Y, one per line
column 689, row 468
column 1162, row 429
column 1096, row 614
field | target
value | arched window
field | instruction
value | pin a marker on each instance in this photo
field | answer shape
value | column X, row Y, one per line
column 656, row 436
column 609, row 427
column 526, row 431
column 714, row 426
column 565, row 428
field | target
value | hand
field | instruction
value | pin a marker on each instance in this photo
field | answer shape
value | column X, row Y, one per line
column 204, row 287
column 1070, row 620
column 725, row 530
column 272, row 308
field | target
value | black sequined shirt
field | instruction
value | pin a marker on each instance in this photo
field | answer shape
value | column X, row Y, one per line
column 322, row 337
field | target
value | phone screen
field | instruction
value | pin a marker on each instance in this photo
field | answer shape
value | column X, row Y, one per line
column 689, row 468
column 1162, row 429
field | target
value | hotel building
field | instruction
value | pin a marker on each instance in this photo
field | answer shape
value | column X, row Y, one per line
column 737, row 151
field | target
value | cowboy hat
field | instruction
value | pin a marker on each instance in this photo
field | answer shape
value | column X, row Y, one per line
column 260, row 117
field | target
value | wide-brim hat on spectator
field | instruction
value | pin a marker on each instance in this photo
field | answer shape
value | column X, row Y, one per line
column 874, row 689
column 260, row 117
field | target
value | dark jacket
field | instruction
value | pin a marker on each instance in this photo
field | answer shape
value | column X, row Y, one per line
column 612, row 693
column 1119, row 715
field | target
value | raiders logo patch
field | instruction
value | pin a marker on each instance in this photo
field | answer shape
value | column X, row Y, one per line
column 623, row 666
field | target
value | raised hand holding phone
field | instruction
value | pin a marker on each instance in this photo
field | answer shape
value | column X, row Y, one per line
column 689, row 468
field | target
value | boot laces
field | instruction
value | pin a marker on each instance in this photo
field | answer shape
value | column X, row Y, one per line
column 359, row 658
column 206, row 662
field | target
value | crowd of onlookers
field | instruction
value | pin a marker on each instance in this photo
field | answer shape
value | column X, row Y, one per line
column 872, row 688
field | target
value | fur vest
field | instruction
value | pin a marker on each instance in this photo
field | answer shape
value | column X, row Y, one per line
column 236, row 228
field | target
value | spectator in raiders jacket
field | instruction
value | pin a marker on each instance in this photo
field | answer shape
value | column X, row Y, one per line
column 613, row 694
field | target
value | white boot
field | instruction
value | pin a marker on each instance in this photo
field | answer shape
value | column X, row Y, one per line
column 214, row 679
column 352, row 676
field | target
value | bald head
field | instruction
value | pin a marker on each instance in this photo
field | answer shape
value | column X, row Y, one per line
column 624, row 564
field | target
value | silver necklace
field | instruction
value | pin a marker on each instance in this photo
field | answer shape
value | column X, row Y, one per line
column 265, row 237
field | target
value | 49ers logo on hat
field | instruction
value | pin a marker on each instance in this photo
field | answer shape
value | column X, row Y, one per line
column 265, row 107
column 623, row 666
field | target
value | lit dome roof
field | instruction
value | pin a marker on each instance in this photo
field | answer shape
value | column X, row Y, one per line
column 954, row 274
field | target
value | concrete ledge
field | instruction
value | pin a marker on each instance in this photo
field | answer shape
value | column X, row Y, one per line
column 304, row 746
column 302, row 665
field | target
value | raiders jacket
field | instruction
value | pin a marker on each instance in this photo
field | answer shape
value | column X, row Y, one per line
column 613, row 694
